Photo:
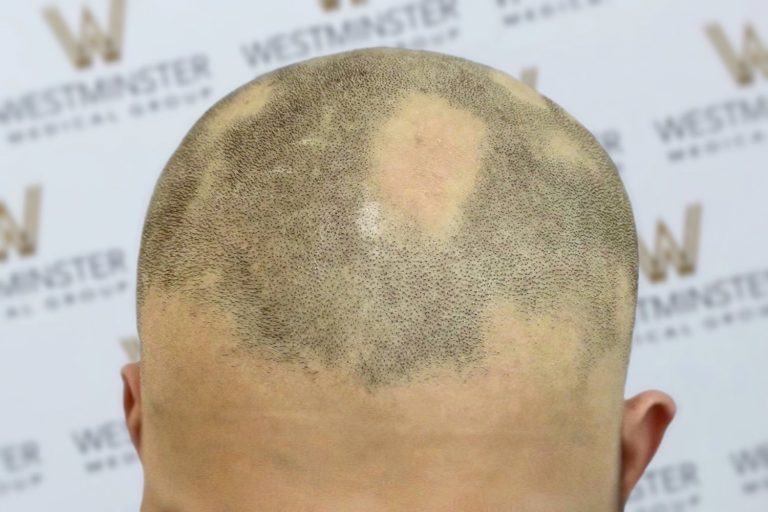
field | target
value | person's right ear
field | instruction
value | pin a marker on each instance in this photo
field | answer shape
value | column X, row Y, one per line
column 132, row 402
column 646, row 418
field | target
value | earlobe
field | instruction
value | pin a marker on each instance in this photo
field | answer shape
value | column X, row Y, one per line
column 646, row 418
column 132, row 402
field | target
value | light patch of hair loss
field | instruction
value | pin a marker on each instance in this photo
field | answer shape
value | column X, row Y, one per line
column 242, row 104
column 519, row 89
column 426, row 158
column 364, row 211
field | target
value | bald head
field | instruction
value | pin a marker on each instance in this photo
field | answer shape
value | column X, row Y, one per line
column 389, row 233
column 371, row 212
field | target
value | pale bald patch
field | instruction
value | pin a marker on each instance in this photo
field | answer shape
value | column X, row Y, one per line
column 425, row 160
column 563, row 146
column 179, row 340
column 543, row 351
column 244, row 104
column 205, row 188
column 519, row 89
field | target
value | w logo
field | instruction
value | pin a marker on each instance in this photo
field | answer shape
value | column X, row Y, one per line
column 332, row 5
column 667, row 251
column 21, row 236
column 93, row 39
column 752, row 59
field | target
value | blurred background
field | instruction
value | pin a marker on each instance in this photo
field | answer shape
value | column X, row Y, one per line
column 95, row 95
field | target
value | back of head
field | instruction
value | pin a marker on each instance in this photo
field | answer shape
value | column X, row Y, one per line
column 387, row 269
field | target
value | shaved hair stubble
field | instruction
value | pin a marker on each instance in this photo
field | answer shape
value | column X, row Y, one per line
column 387, row 234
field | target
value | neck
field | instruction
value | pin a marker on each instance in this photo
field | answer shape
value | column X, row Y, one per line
column 518, row 480
column 414, row 497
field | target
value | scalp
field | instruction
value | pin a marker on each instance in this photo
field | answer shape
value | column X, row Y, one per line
column 373, row 211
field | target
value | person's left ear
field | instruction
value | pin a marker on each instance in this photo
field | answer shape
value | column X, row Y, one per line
column 646, row 418
column 132, row 402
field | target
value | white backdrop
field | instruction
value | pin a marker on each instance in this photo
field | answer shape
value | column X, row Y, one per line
column 676, row 90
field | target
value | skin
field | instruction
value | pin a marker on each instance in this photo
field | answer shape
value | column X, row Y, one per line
column 388, row 280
